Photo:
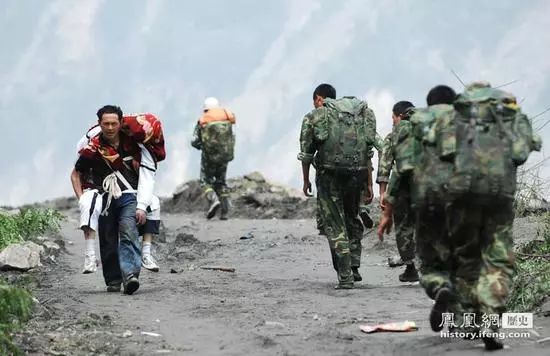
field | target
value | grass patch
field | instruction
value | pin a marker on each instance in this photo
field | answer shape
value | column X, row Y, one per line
column 532, row 282
column 15, row 309
column 16, row 303
column 28, row 224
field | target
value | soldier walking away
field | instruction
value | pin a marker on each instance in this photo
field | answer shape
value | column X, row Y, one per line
column 484, row 139
column 402, row 213
column 337, row 136
column 213, row 135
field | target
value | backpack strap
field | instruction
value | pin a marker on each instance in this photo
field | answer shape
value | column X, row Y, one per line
column 500, row 124
column 474, row 114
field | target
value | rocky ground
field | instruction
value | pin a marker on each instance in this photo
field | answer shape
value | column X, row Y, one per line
column 278, row 301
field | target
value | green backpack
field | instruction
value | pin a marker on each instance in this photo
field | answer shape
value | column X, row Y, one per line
column 486, row 141
column 218, row 141
column 347, row 135
column 404, row 148
column 430, row 173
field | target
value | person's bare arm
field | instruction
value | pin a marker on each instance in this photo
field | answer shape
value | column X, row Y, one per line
column 77, row 183
column 382, row 190
column 386, row 221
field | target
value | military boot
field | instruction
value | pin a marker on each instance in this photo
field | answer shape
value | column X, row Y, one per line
column 441, row 306
column 365, row 217
column 345, row 275
column 410, row 274
column 356, row 275
column 214, row 204
column 224, row 208
column 492, row 344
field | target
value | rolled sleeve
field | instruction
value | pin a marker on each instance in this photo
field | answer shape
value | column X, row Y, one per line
column 305, row 157
column 307, row 147
column 385, row 162
column 393, row 189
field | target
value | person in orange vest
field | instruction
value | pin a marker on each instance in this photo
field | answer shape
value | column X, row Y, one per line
column 213, row 135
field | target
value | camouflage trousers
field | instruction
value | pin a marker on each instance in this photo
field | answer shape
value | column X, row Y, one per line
column 404, row 219
column 468, row 249
column 318, row 215
column 363, row 209
column 212, row 177
column 338, row 199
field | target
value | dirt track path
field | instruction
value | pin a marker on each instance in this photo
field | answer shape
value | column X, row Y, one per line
column 280, row 300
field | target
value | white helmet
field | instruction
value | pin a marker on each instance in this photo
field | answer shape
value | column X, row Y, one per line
column 211, row 103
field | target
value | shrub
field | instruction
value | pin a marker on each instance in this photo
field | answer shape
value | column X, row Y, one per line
column 532, row 282
column 27, row 224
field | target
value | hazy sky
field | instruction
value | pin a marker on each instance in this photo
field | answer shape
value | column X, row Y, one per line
column 61, row 60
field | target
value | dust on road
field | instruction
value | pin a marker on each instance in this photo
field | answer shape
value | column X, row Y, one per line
column 279, row 301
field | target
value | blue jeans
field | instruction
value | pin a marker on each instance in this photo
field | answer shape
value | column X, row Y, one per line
column 119, row 243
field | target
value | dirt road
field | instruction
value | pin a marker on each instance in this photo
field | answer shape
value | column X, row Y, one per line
column 279, row 301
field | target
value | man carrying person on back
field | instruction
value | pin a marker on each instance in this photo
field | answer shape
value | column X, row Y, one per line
column 90, row 202
column 113, row 158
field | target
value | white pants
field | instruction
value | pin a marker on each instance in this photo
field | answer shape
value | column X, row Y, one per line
column 91, row 202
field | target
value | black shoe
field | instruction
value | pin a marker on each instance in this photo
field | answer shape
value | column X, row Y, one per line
column 410, row 274
column 491, row 344
column 356, row 276
column 113, row 287
column 367, row 221
column 132, row 285
column 442, row 299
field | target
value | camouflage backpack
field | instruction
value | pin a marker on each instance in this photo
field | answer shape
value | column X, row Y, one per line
column 218, row 141
column 404, row 148
column 347, row 133
column 430, row 173
column 486, row 141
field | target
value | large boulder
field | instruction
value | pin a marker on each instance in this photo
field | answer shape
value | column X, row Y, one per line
column 255, row 177
column 21, row 256
column 251, row 196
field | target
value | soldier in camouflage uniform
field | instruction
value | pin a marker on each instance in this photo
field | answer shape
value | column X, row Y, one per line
column 364, row 212
column 403, row 215
column 366, row 191
column 366, row 194
column 213, row 135
column 322, row 92
column 339, row 191
column 464, row 226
